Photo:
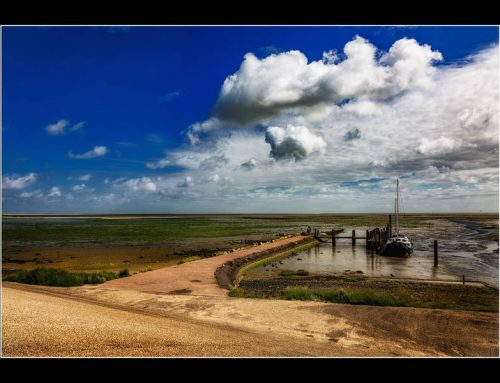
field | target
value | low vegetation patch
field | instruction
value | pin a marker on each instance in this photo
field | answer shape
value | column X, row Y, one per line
column 189, row 259
column 236, row 292
column 124, row 273
column 350, row 296
column 298, row 293
column 62, row 278
column 374, row 293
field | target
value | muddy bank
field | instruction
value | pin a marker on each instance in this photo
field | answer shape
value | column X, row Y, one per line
column 481, row 230
column 227, row 274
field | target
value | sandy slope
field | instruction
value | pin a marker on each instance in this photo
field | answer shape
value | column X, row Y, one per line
column 91, row 321
column 196, row 278
column 45, row 325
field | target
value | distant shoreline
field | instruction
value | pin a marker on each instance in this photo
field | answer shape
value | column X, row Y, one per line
column 172, row 215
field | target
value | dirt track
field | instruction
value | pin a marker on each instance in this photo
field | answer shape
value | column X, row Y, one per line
column 91, row 321
column 195, row 278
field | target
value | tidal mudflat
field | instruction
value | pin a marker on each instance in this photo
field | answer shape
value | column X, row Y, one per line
column 465, row 250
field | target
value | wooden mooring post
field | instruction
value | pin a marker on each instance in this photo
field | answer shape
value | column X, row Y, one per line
column 354, row 237
column 435, row 252
column 390, row 226
column 334, row 242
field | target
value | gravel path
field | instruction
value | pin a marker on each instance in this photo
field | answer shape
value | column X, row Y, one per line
column 193, row 278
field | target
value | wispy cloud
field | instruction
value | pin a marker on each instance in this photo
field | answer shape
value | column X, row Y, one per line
column 169, row 96
column 78, row 126
column 155, row 138
column 34, row 194
column 271, row 49
column 84, row 177
column 160, row 164
column 98, row 151
column 62, row 127
column 18, row 182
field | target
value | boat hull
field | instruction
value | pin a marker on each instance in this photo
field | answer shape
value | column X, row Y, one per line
column 395, row 249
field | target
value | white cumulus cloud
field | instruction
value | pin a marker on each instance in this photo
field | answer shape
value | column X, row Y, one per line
column 263, row 88
column 78, row 188
column 438, row 146
column 141, row 184
column 295, row 142
column 55, row 191
column 57, row 128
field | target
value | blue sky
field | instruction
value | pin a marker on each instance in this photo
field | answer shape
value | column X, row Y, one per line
column 137, row 91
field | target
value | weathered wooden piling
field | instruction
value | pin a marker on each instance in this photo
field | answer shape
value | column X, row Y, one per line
column 367, row 243
column 334, row 242
column 463, row 280
column 390, row 225
column 435, row 252
column 354, row 237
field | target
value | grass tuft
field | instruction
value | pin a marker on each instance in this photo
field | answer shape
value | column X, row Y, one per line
column 236, row 292
column 57, row 277
column 351, row 296
column 298, row 293
column 124, row 273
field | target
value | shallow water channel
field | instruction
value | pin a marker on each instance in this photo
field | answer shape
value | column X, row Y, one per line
column 464, row 255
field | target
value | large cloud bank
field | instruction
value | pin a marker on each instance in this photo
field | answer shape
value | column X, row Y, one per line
column 290, row 134
column 263, row 88
column 356, row 115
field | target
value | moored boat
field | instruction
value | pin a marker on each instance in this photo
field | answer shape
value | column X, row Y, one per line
column 398, row 245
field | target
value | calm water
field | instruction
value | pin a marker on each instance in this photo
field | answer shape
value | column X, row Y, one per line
column 475, row 259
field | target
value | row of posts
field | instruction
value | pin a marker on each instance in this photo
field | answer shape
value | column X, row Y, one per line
column 371, row 244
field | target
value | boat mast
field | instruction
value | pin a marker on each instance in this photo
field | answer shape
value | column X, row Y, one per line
column 397, row 206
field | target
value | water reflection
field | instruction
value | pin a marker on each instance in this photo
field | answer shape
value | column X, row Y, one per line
column 454, row 261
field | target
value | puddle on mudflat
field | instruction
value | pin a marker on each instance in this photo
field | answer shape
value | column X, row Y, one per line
column 476, row 259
